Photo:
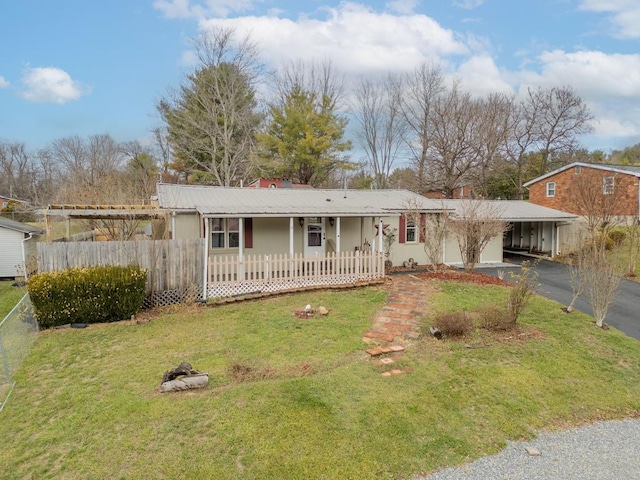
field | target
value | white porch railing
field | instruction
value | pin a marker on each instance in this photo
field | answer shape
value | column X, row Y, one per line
column 272, row 273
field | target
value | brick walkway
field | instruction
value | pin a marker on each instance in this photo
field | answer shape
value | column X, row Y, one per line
column 397, row 323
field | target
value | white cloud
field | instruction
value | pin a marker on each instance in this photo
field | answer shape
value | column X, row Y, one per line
column 608, row 83
column 481, row 76
column 3, row 82
column 624, row 15
column 356, row 38
column 403, row 7
column 202, row 8
column 468, row 4
column 50, row 84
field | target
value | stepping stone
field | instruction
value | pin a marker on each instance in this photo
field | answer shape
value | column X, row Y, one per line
column 386, row 349
column 396, row 372
column 386, row 361
column 396, row 348
column 386, row 374
column 381, row 336
column 533, row 452
column 374, row 352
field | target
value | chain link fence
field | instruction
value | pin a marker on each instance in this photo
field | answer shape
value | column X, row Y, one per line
column 18, row 331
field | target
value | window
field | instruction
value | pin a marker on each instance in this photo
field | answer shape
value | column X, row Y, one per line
column 607, row 185
column 225, row 233
column 577, row 169
column 551, row 189
column 412, row 232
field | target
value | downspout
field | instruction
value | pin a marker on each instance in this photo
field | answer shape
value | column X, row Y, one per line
column 338, row 234
column 24, row 256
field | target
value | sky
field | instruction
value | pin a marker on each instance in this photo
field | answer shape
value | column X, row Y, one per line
column 84, row 67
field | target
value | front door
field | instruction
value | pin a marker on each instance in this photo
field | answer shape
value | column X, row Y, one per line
column 314, row 236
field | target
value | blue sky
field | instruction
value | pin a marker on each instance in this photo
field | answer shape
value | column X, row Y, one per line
column 88, row 67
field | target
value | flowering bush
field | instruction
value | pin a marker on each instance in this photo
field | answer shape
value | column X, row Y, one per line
column 87, row 295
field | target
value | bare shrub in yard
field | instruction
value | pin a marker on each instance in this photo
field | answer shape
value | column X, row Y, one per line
column 525, row 283
column 494, row 318
column 453, row 324
column 600, row 278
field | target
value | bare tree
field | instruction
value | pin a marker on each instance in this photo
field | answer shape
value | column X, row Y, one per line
column 493, row 131
column 475, row 223
column 420, row 91
column 563, row 116
column 546, row 124
column 454, row 139
column 211, row 119
column 380, row 125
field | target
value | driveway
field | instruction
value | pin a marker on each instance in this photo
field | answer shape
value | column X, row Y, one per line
column 624, row 312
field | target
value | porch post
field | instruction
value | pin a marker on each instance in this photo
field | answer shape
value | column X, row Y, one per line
column 241, row 248
column 291, row 236
column 241, row 239
column 338, row 235
column 205, row 280
column 380, row 234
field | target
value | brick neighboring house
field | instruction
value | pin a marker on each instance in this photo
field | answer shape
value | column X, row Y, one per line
column 579, row 186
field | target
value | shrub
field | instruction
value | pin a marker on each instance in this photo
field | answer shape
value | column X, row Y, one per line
column 494, row 318
column 87, row 295
column 525, row 283
column 453, row 324
column 617, row 236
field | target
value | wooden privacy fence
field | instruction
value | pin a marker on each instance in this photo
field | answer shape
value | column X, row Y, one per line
column 229, row 275
column 174, row 267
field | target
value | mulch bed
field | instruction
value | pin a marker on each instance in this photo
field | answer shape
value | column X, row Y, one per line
column 465, row 277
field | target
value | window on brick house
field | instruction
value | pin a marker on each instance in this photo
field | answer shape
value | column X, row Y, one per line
column 577, row 169
column 607, row 185
column 551, row 189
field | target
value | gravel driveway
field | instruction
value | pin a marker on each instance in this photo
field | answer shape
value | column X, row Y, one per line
column 600, row 451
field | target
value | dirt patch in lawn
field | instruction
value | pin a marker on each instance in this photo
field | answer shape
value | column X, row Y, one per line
column 465, row 277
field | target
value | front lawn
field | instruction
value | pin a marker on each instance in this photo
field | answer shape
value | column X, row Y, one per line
column 293, row 398
column 9, row 296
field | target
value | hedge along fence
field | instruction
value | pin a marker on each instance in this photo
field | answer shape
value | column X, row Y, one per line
column 87, row 295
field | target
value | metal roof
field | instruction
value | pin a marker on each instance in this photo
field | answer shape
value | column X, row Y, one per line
column 517, row 211
column 18, row 226
column 227, row 201
column 223, row 201
column 624, row 169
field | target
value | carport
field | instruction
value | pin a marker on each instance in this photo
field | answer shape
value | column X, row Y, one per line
column 536, row 229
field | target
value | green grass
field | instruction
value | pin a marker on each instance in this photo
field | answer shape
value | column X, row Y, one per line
column 311, row 404
column 9, row 296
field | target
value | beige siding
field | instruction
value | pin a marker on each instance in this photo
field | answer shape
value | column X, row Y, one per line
column 271, row 236
column 187, row 226
column 452, row 251
column 492, row 252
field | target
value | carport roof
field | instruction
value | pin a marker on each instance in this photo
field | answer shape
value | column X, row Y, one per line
column 519, row 211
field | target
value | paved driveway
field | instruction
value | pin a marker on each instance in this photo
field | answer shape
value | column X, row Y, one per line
column 624, row 312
